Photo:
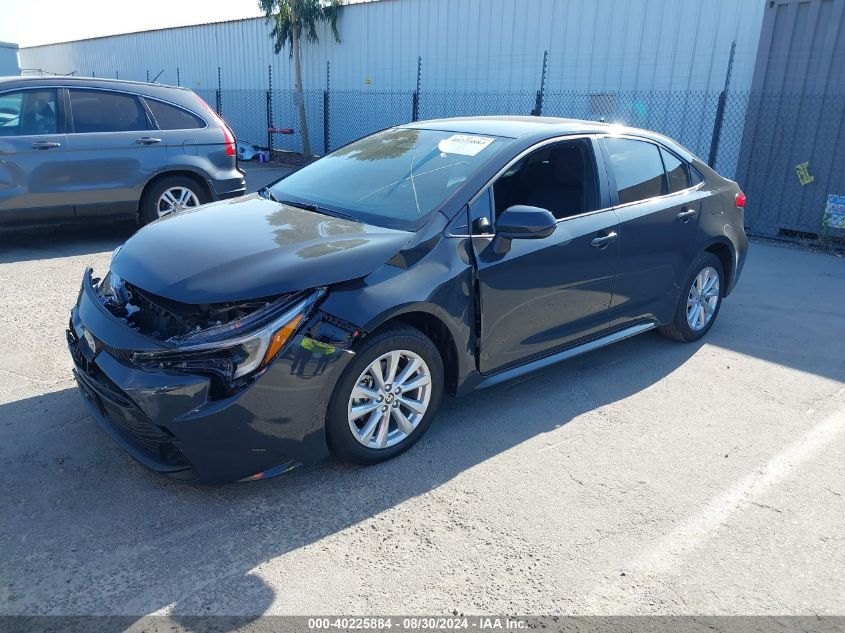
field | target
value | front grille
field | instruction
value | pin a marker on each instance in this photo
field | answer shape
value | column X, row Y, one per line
column 144, row 433
column 123, row 414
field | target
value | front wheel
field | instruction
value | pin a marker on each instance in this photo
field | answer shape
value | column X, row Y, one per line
column 386, row 398
column 699, row 305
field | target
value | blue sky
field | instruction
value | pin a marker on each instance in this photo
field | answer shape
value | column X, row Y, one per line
column 31, row 22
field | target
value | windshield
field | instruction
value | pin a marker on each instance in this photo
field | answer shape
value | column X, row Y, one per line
column 396, row 178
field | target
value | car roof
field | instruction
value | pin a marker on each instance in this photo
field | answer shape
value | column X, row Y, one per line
column 542, row 127
column 175, row 94
column 510, row 126
column 73, row 80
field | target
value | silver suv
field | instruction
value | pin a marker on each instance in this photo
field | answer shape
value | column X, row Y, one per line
column 74, row 148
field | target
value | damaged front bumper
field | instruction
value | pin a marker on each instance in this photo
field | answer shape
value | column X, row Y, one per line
column 178, row 424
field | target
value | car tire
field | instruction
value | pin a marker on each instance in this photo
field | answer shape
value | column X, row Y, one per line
column 152, row 200
column 411, row 348
column 698, row 306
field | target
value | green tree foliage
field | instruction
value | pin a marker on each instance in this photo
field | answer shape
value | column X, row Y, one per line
column 290, row 19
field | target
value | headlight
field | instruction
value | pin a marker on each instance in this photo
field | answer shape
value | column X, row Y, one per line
column 229, row 351
column 262, row 348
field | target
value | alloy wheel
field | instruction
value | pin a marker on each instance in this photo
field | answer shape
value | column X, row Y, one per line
column 176, row 199
column 389, row 399
column 703, row 298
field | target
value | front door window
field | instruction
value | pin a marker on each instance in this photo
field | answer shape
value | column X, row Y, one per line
column 28, row 113
column 559, row 177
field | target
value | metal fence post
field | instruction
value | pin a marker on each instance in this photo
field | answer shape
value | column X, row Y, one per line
column 326, row 109
column 720, row 112
column 219, row 102
column 415, row 106
column 415, row 100
column 270, row 109
column 325, row 122
column 541, row 93
column 178, row 77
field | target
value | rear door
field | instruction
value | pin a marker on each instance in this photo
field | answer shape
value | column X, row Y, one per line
column 113, row 150
column 182, row 131
column 33, row 148
column 196, row 141
column 658, row 214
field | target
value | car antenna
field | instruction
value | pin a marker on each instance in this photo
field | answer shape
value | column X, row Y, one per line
column 157, row 76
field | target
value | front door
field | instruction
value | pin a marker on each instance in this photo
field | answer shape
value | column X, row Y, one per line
column 545, row 294
column 33, row 146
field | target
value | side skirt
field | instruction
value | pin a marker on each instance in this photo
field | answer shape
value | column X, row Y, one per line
column 540, row 363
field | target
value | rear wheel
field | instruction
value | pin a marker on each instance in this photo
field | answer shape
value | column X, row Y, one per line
column 699, row 305
column 386, row 398
column 170, row 194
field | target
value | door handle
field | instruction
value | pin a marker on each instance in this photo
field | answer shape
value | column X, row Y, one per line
column 45, row 145
column 686, row 215
column 602, row 242
column 147, row 140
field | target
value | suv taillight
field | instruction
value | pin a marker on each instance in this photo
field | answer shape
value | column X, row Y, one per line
column 739, row 200
column 231, row 150
column 228, row 137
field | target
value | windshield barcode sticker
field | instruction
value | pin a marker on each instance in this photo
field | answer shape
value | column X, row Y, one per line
column 464, row 144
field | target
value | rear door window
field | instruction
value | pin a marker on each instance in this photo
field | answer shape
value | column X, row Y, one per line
column 28, row 113
column 102, row 111
column 170, row 117
column 637, row 168
column 676, row 171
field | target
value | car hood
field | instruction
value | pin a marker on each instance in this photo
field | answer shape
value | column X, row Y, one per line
column 250, row 247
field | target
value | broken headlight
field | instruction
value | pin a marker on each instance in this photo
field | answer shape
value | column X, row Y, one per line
column 235, row 349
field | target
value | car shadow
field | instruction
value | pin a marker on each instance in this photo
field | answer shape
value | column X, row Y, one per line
column 787, row 310
column 51, row 242
column 90, row 531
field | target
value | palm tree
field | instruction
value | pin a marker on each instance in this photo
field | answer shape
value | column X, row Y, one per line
column 290, row 18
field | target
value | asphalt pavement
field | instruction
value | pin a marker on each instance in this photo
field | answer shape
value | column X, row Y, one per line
column 649, row 477
column 260, row 174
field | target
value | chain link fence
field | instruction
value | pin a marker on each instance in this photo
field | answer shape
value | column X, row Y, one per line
column 786, row 152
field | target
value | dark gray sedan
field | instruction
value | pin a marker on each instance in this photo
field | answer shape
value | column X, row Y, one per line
column 331, row 310
column 75, row 148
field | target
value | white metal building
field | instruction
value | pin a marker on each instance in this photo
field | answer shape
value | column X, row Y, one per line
column 596, row 45
column 658, row 64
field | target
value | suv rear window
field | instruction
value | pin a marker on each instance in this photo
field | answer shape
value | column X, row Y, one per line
column 170, row 117
column 28, row 112
column 100, row 111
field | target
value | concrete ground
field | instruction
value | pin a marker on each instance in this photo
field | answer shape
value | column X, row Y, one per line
column 647, row 477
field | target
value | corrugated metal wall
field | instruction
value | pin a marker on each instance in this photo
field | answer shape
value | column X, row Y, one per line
column 597, row 45
column 793, row 147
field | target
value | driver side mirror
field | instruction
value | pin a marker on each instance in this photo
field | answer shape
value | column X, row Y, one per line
column 521, row 222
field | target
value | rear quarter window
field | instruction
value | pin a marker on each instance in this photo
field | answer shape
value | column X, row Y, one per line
column 170, row 117
column 695, row 176
column 676, row 171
